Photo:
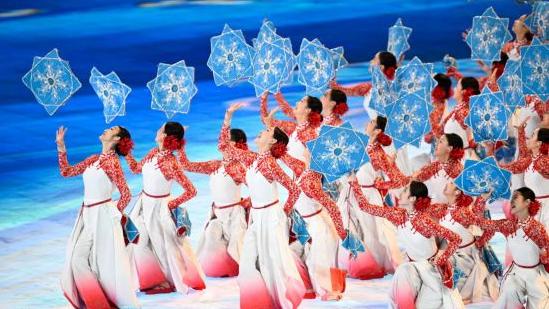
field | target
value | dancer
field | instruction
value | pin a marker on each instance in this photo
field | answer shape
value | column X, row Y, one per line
column 382, row 254
column 439, row 96
column 425, row 281
column 268, row 276
column 523, row 37
column 163, row 259
column 526, row 281
column 476, row 284
column 220, row 244
column 96, row 258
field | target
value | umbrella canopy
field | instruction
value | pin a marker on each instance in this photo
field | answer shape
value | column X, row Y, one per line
column 408, row 120
column 534, row 69
column 484, row 176
column 487, row 36
column 538, row 20
column 397, row 43
column 230, row 57
column 51, row 81
column 173, row 88
column 337, row 151
column 383, row 92
column 488, row 116
column 112, row 93
column 511, row 85
column 415, row 78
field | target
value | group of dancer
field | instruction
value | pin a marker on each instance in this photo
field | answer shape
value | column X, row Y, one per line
column 393, row 199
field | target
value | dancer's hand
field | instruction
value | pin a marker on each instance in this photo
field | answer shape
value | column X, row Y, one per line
column 269, row 118
column 60, row 139
column 230, row 111
column 486, row 196
column 523, row 123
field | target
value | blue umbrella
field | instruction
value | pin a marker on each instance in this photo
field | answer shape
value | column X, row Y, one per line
column 337, row 151
column 338, row 57
column 487, row 36
column 488, row 116
column 353, row 244
column 408, row 120
column 534, row 69
column 383, row 92
column 51, row 81
column 230, row 57
column 112, row 93
column 130, row 231
column 397, row 43
column 299, row 227
column 415, row 78
column 316, row 66
column 538, row 20
column 173, row 88
column 182, row 221
column 511, row 85
column 479, row 177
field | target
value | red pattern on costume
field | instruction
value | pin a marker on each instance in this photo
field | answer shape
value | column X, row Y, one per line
column 358, row 90
column 422, row 221
column 435, row 118
column 231, row 168
column 537, row 104
column 452, row 168
column 524, row 162
column 285, row 107
column 297, row 166
column 380, row 162
column 311, row 184
column 332, row 120
column 109, row 163
column 459, row 113
column 287, row 126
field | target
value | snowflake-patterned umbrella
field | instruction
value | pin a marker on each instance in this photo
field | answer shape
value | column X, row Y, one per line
column 51, row 81
column 534, row 69
column 337, row 151
column 488, row 116
column 173, row 88
column 316, row 67
column 479, row 177
column 397, row 44
column 182, row 221
column 538, row 21
column 487, row 36
column 415, row 77
column 230, row 57
column 383, row 92
column 339, row 58
column 112, row 93
column 511, row 85
column 353, row 244
column 408, row 120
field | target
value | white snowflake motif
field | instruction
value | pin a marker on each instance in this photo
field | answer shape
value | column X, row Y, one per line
column 488, row 121
column 539, row 70
column 318, row 65
column 231, row 58
column 267, row 66
column 338, row 151
column 407, row 118
column 51, row 81
column 174, row 88
column 482, row 181
column 487, row 37
column 514, row 87
column 412, row 82
column 108, row 94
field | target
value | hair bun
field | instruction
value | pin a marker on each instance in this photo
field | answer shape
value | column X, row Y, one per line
column 124, row 146
column 384, row 139
column 464, row 200
column 534, row 207
column 422, row 203
column 241, row 145
column 544, row 149
column 315, row 119
column 440, row 94
column 390, row 72
column 172, row 143
column 340, row 109
column 457, row 153
column 278, row 149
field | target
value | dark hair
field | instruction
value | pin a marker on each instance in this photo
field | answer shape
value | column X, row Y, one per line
column 122, row 150
column 338, row 96
column 543, row 135
column 527, row 193
column 387, row 59
column 381, row 123
column 503, row 59
column 454, row 140
column 418, row 189
column 314, row 104
column 238, row 136
column 172, row 128
column 280, row 136
column 470, row 83
column 529, row 36
column 444, row 82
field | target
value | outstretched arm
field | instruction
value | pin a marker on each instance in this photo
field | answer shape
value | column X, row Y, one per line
column 285, row 106
column 394, row 214
column 65, row 168
column 381, row 162
column 358, row 90
column 135, row 166
column 206, row 167
column 247, row 157
column 172, row 170
column 273, row 172
column 267, row 118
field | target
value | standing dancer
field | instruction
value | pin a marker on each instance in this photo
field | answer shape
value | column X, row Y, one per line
column 220, row 244
column 439, row 96
column 268, row 276
column 425, row 281
column 526, row 281
column 97, row 271
column 163, row 259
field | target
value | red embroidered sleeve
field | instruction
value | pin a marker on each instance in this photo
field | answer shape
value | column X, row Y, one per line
column 69, row 171
column 394, row 214
column 285, row 106
column 380, row 162
column 358, row 90
column 273, row 172
column 429, row 170
column 236, row 171
column 311, row 184
column 206, row 167
column 438, row 210
column 503, row 226
column 297, row 166
column 537, row 104
column 424, row 224
column 460, row 115
column 306, row 133
column 541, row 165
column 536, row 231
column 172, row 170
column 111, row 165
column 518, row 166
column 286, row 126
column 436, row 117
column 135, row 166
column 522, row 148
column 453, row 168
column 246, row 157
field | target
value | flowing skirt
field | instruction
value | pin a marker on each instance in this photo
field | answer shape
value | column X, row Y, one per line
column 524, row 288
column 161, row 256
